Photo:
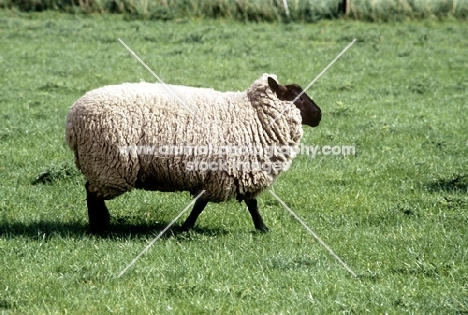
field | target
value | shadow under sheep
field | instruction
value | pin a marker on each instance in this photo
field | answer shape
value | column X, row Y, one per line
column 119, row 229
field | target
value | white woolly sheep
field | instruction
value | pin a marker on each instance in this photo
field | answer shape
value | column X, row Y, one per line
column 107, row 126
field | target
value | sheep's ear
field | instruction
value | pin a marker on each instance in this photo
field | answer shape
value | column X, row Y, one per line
column 273, row 85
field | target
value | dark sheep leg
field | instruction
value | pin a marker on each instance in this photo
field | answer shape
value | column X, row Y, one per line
column 256, row 217
column 99, row 218
column 200, row 204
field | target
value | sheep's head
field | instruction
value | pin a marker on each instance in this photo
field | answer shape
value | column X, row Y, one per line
column 310, row 112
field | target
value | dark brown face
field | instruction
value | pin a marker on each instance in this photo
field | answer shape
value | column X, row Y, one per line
column 310, row 112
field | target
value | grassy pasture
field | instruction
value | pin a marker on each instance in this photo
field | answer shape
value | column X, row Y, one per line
column 396, row 212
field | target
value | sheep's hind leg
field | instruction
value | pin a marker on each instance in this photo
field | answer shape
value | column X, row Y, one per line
column 200, row 204
column 99, row 218
column 256, row 217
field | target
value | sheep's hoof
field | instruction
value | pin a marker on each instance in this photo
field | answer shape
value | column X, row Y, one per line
column 263, row 229
column 185, row 228
column 99, row 223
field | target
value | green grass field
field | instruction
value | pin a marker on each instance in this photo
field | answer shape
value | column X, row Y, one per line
column 396, row 212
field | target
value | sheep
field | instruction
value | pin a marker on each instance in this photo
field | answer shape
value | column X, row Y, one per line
column 106, row 123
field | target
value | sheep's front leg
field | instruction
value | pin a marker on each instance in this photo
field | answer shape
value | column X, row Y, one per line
column 256, row 217
column 99, row 218
column 200, row 204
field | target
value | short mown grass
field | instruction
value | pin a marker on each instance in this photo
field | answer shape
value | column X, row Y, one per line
column 396, row 212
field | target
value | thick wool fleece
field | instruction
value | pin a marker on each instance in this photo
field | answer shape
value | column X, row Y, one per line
column 107, row 119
